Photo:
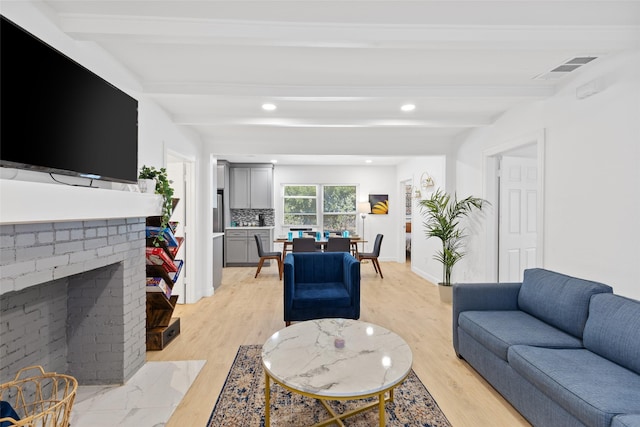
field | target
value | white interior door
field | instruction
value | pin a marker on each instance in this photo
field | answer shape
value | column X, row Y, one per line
column 518, row 225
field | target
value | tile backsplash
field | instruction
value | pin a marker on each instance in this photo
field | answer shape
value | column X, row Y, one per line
column 250, row 216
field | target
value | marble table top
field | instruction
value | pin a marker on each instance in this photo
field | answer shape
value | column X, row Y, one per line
column 304, row 357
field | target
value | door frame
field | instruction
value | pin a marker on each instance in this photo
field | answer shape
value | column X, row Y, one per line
column 492, row 191
column 189, row 294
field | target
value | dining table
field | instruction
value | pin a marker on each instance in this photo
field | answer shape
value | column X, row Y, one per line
column 287, row 244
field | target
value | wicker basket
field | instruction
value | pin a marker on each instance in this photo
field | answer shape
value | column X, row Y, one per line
column 43, row 400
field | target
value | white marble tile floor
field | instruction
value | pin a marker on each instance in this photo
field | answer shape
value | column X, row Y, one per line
column 147, row 400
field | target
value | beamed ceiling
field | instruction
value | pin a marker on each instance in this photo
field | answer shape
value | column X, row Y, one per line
column 339, row 71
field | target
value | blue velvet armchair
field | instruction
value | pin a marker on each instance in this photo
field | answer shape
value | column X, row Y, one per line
column 321, row 285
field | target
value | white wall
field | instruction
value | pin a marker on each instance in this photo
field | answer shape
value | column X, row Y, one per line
column 592, row 174
column 370, row 180
column 156, row 131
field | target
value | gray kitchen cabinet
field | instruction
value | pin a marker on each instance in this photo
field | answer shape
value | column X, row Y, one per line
column 220, row 176
column 236, row 246
column 261, row 188
column 218, row 243
column 251, row 187
column 241, row 248
column 240, row 187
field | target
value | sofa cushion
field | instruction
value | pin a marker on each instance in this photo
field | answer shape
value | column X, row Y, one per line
column 626, row 421
column 560, row 300
column 309, row 295
column 613, row 330
column 588, row 386
column 497, row 330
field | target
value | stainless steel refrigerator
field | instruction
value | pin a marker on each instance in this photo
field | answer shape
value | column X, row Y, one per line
column 218, row 214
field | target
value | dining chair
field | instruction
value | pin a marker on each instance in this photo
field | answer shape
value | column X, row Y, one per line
column 304, row 244
column 373, row 256
column 267, row 255
column 338, row 244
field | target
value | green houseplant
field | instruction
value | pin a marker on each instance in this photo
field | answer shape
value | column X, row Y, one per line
column 442, row 214
column 163, row 187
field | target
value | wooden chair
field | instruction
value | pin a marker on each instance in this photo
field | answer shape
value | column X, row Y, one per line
column 373, row 256
column 304, row 244
column 267, row 255
column 338, row 244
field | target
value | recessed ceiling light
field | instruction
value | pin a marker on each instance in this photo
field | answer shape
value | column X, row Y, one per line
column 274, row 161
column 269, row 107
column 408, row 107
column 368, row 161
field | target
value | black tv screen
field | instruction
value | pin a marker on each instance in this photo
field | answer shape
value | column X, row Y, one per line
column 59, row 117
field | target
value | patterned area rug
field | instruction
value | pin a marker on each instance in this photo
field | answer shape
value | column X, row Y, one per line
column 241, row 401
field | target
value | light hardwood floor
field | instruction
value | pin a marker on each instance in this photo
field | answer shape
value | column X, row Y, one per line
column 245, row 310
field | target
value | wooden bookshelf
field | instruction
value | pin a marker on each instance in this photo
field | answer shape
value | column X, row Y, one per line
column 161, row 326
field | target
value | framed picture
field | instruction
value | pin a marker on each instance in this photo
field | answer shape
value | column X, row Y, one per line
column 379, row 204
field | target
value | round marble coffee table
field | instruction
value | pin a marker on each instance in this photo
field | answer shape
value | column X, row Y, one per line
column 336, row 359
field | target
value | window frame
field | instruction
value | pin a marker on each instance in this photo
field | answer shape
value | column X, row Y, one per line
column 353, row 213
column 320, row 212
column 285, row 197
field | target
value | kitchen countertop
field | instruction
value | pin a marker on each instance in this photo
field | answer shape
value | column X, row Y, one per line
column 266, row 227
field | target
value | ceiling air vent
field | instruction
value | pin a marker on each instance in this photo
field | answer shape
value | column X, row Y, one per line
column 565, row 68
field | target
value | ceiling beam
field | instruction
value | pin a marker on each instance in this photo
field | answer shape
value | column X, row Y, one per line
column 457, row 121
column 302, row 93
column 165, row 30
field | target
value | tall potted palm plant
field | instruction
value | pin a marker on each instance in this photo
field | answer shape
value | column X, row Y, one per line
column 442, row 215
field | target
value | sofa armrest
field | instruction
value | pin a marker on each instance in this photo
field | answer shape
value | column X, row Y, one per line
column 288, row 284
column 482, row 297
column 351, row 278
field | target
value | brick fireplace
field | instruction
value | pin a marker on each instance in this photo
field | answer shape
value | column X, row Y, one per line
column 72, row 298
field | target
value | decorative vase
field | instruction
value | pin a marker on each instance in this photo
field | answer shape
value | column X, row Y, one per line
column 446, row 293
column 147, row 185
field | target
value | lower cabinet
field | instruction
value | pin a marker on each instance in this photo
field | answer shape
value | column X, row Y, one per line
column 241, row 248
column 218, row 262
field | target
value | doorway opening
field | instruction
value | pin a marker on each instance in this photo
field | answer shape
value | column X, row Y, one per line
column 514, row 185
column 405, row 192
column 181, row 171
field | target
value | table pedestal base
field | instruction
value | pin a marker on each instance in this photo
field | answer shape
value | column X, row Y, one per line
column 335, row 417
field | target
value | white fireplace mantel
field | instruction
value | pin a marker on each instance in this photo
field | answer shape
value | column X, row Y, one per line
column 23, row 202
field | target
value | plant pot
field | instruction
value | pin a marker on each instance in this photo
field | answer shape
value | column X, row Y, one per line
column 147, row 185
column 446, row 293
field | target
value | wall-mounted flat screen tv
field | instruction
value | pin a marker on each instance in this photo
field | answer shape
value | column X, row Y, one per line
column 59, row 117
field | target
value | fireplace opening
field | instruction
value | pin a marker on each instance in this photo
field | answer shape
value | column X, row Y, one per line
column 75, row 325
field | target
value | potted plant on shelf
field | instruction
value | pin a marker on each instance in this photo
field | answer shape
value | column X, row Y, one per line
column 162, row 187
column 442, row 215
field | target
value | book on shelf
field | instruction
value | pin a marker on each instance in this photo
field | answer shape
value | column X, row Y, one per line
column 158, row 257
column 157, row 284
column 165, row 233
column 174, row 276
column 173, row 250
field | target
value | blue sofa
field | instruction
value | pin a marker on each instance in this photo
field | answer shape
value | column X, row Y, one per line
column 564, row 351
column 321, row 285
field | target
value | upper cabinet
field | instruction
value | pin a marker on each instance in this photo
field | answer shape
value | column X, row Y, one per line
column 240, row 187
column 220, row 176
column 251, row 187
column 261, row 188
